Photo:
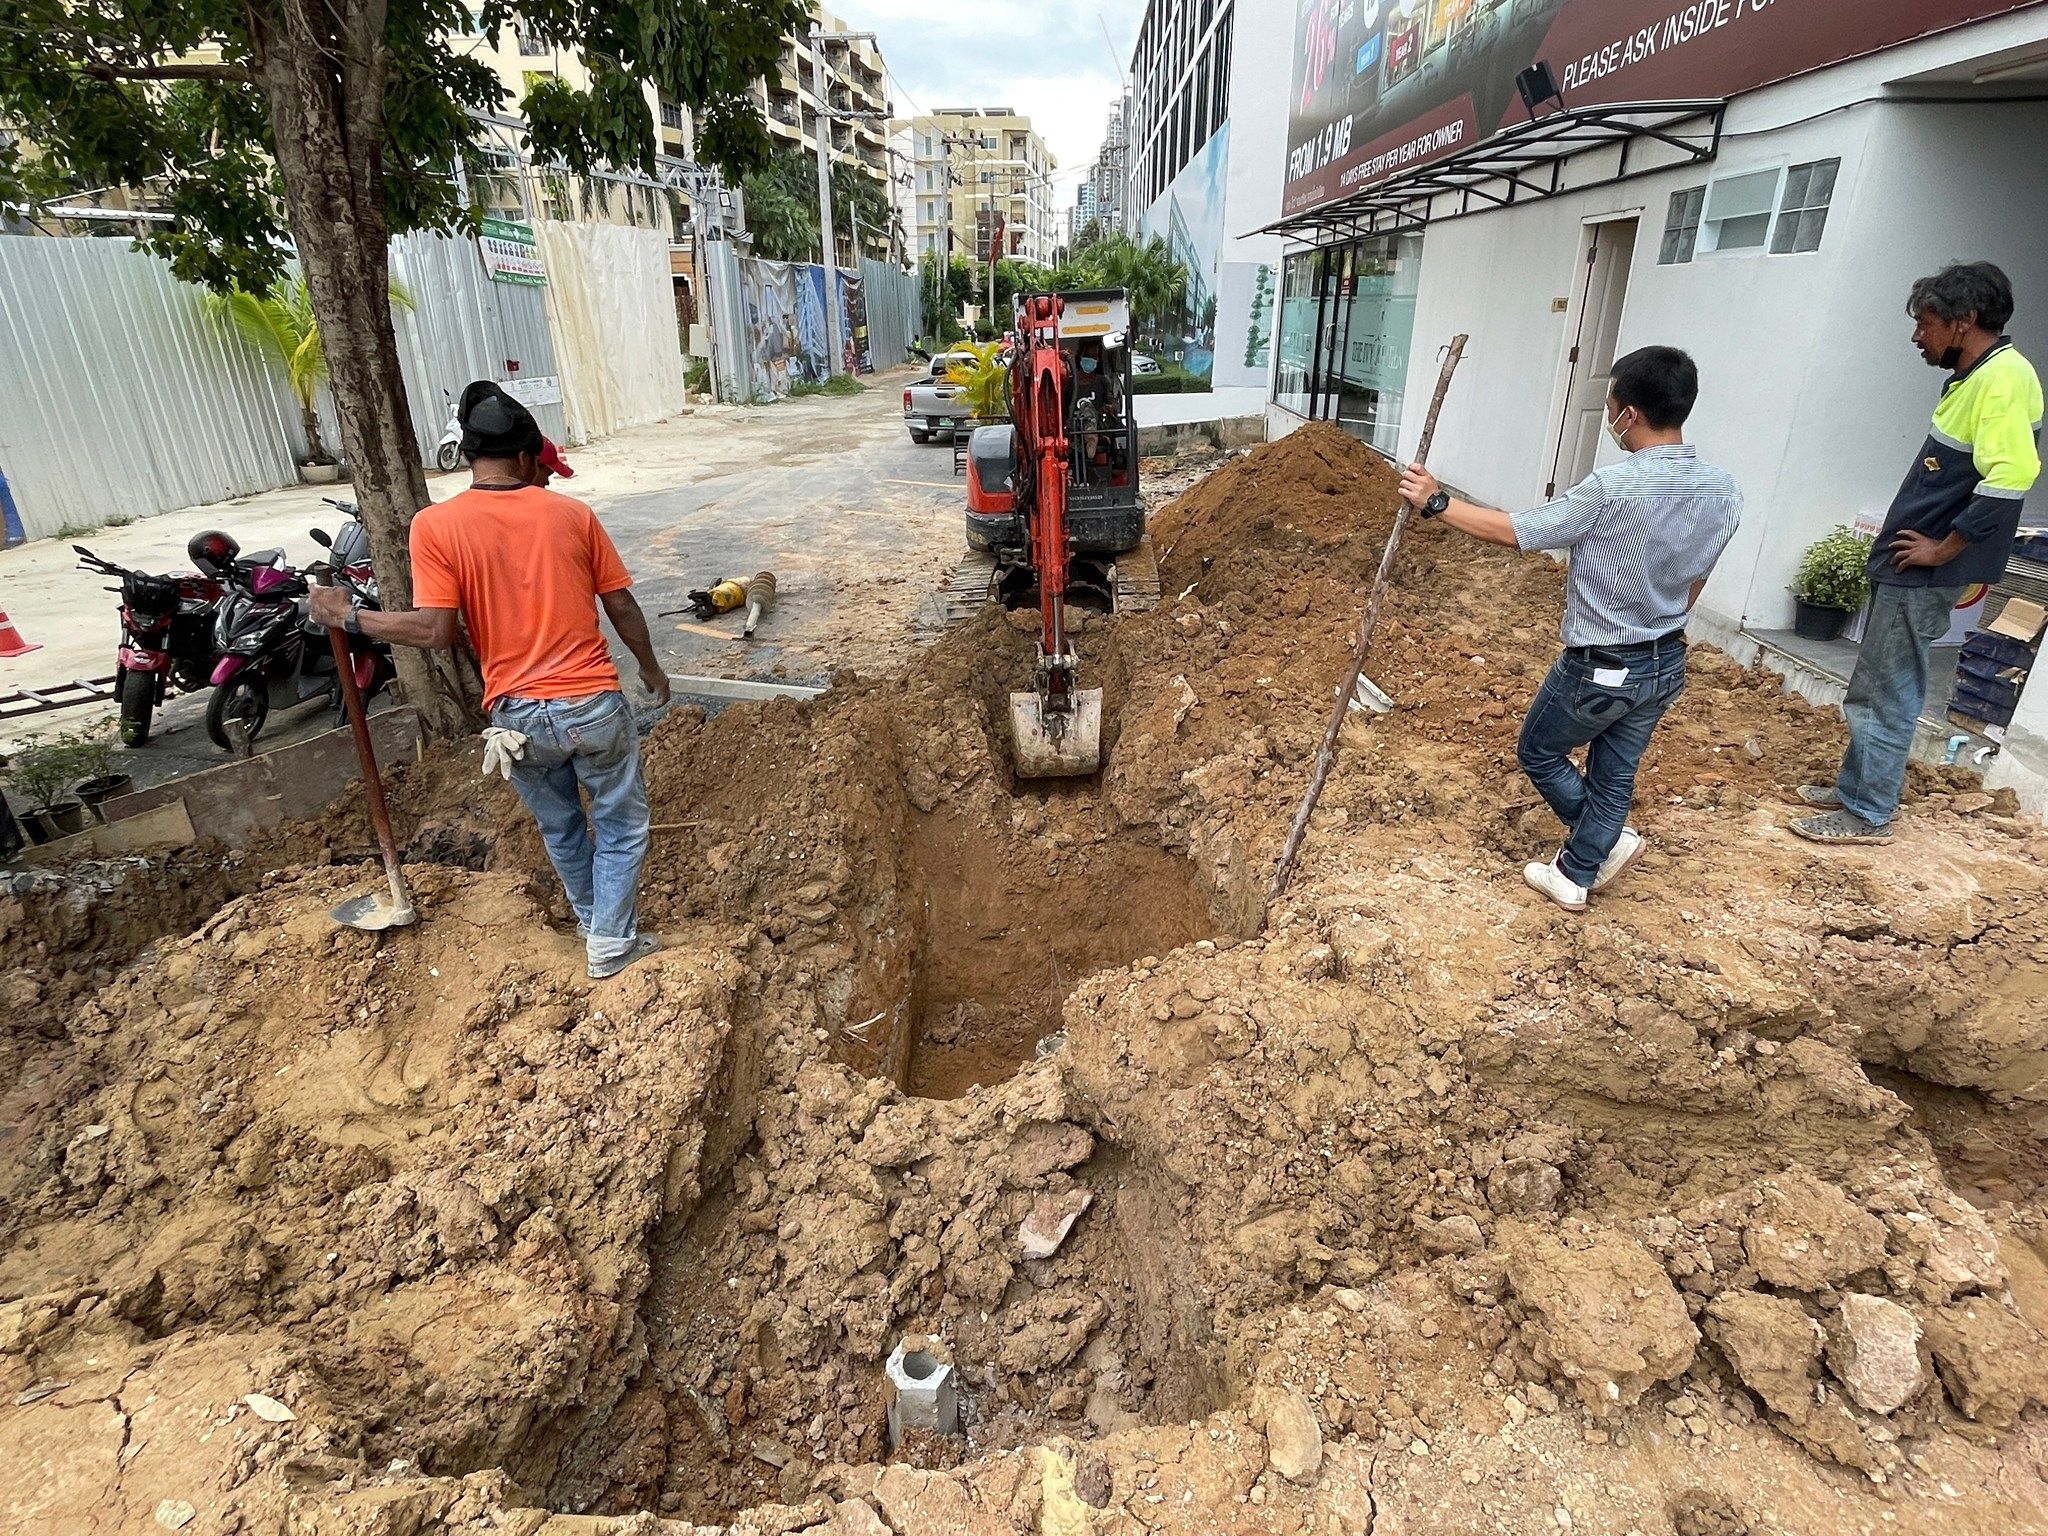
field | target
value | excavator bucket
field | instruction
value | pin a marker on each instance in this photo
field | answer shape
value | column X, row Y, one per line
column 1056, row 744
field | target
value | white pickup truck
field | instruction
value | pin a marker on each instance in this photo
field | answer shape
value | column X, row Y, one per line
column 931, row 405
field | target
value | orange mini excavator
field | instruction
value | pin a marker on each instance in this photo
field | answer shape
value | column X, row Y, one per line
column 1053, row 494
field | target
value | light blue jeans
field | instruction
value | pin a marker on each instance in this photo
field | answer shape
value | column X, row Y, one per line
column 587, row 744
column 1887, row 691
column 1613, row 721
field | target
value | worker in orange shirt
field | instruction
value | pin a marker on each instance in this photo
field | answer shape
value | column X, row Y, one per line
column 527, row 569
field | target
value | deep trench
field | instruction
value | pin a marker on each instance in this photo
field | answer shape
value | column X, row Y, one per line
column 1005, row 929
column 988, row 929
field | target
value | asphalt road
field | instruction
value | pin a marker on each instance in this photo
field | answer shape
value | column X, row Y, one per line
column 860, row 526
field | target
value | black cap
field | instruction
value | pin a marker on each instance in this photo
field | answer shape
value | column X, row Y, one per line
column 494, row 425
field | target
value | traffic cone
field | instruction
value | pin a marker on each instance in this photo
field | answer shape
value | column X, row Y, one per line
column 11, row 643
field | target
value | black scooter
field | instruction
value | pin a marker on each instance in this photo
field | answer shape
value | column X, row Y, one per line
column 273, row 655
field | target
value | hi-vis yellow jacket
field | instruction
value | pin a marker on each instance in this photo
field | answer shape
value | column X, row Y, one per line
column 1978, row 463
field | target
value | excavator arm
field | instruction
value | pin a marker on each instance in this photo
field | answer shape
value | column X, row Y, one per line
column 1056, row 729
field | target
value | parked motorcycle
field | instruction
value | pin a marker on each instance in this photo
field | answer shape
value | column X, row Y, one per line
column 448, row 455
column 167, row 625
column 273, row 656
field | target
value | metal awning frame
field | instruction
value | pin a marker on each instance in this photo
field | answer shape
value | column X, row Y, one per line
column 1523, row 163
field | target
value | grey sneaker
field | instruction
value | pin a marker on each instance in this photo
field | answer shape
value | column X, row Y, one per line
column 1841, row 827
column 645, row 945
column 1626, row 850
column 1826, row 796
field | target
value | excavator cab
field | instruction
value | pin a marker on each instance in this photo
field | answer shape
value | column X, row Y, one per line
column 1104, row 516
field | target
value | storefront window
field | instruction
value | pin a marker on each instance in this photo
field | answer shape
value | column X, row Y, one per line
column 1370, row 365
column 1297, row 335
column 1347, row 317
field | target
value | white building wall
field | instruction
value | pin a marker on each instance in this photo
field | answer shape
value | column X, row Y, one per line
column 1261, row 68
column 1810, row 395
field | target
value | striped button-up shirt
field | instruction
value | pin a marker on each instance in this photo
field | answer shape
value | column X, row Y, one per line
column 1640, row 533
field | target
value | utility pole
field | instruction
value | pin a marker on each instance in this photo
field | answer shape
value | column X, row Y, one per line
column 834, row 342
column 834, row 331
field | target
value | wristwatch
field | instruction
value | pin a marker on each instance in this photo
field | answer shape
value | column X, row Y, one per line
column 354, row 622
column 1436, row 506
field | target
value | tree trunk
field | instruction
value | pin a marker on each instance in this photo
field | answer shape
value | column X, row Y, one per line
column 316, row 450
column 322, row 68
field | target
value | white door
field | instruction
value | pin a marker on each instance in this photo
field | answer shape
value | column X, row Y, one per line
column 1608, row 249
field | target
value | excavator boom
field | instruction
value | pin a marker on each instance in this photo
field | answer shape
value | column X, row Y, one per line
column 1056, row 728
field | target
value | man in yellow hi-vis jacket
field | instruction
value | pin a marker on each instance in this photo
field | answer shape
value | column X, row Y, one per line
column 1951, row 525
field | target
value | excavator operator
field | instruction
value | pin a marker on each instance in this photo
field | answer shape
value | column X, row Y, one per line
column 1098, row 409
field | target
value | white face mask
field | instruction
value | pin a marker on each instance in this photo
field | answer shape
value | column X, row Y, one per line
column 1617, row 434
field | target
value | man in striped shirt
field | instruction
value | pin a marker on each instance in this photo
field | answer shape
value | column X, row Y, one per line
column 1643, row 535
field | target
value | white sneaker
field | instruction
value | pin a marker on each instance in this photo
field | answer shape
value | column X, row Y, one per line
column 1626, row 849
column 1556, row 884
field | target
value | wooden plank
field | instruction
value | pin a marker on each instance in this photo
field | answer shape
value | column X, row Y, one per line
column 165, row 826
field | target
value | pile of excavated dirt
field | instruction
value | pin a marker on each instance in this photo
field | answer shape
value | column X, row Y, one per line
column 1408, row 1204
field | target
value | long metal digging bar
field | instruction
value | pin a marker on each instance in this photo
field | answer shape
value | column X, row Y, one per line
column 367, row 912
column 1327, row 755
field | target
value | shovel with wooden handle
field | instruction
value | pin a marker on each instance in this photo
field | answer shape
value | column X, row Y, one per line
column 372, row 913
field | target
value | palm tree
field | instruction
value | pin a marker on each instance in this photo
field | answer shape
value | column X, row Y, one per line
column 280, row 324
column 1146, row 271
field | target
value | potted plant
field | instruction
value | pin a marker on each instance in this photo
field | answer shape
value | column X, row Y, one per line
column 986, row 380
column 280, row 324
column 1832, row 583
column 42, row 773
column 93, row 757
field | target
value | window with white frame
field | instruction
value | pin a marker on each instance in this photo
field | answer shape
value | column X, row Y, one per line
column 1803, row 207
column 1737, row 216
column 1681, row 225
column 1782, row 210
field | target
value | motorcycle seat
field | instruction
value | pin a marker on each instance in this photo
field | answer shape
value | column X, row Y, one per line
column 260, row 557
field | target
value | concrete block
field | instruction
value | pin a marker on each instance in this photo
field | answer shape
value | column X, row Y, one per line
column 922, row 1394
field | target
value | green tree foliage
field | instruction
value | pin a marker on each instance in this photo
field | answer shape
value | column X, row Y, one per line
column 1012, row 278
column 1145, row 270
column 857, row 196
column 331, row 124
column 782, row 207
column 947, row 288
column 281, row 325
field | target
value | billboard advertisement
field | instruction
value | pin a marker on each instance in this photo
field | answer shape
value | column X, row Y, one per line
column 1383, row 86
column 1188, row 216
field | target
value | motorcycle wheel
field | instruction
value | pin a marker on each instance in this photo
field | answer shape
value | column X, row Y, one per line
column 237, row 711
column 136, row 692
column 448, row 456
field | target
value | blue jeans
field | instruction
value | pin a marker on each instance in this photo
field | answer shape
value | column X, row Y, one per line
column 587, row 743
column 1608, row 701
column 1887, row 691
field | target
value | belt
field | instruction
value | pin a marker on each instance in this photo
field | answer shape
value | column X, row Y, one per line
column 1633, row 649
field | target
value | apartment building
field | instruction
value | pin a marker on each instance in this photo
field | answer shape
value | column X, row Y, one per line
column 855, row 80
column 966, row 159
column 1101, row 197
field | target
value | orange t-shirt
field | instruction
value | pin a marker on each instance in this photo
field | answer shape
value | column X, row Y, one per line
column 526, row 568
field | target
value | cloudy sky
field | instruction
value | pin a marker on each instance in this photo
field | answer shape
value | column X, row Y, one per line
column 1048, row 59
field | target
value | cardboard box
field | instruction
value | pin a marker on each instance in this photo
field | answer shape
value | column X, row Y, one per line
column 2019, row 620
